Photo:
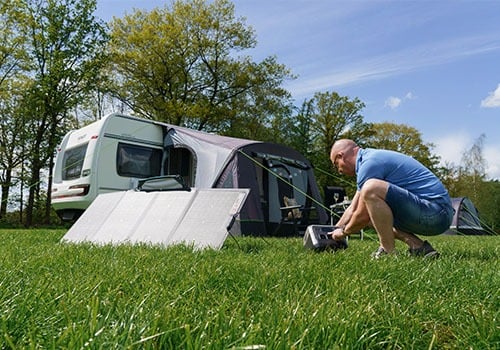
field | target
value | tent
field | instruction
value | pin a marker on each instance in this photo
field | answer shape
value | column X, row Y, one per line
column 466, row 219
column 271, row 171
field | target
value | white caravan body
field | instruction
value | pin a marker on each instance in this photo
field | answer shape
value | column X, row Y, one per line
column 106, row 156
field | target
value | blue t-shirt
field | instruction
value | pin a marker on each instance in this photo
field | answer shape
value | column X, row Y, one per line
column 400, row 170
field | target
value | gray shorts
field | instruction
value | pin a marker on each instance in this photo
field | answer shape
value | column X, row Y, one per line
column 416, row 215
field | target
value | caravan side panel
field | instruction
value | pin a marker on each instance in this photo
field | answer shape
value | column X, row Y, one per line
column 130, row 148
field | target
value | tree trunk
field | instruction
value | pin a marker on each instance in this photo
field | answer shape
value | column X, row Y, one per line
column 33, row 186
column 49, row 191
column 5, row 192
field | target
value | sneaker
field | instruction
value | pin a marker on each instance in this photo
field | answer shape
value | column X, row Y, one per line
column 380, row 252
column 425, row 251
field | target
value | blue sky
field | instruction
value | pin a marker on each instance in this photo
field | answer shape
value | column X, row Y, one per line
column 433, row 65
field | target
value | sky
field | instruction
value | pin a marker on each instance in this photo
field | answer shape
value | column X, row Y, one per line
column 430, row 64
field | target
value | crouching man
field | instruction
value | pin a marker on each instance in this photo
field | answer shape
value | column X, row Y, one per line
column 396, row 195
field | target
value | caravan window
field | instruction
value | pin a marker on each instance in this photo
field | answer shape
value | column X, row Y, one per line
column 138, row 161
column 73, row 162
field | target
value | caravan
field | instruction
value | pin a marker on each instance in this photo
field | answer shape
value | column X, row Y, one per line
column 117, row 151
column 104, row 156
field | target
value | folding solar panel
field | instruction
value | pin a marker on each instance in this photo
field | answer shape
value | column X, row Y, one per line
column 200, row 217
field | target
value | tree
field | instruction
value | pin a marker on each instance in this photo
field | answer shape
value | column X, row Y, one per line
column 183, row 66
column 11, row 43
column 335, row 117
column 405, row 139
column 474, row 164
column 12, row 55
column 488, row 204
column 298, row 130
column 331, row 117
column 11, row 130
column 468, row 179
column 65, row 44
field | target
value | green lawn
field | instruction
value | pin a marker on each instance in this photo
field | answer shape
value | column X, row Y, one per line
column 253, row 293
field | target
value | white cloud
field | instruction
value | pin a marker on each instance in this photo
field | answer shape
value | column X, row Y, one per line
column 351, row 70
column 451, row 148
column 492, row 155
column 392, row 102
column 493, row 99
column 409, row 96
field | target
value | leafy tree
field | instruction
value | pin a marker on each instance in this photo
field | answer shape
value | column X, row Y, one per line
column 183, row 66
column 12, row 50
column 405, row 139
column 335, row 117
column 299, row 130
column 328, row 117
column 488, row 204
column 65, row 44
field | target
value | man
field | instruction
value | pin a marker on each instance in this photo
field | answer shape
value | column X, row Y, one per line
column 396, row 195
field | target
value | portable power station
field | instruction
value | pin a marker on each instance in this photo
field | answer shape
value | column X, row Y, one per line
column 318, row 237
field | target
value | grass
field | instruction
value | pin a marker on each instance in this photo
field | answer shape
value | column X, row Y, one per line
column 252, row 294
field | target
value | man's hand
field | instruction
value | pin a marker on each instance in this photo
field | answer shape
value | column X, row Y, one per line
column 338, row 234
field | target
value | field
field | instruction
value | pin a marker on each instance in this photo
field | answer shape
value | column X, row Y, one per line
column 251, row 294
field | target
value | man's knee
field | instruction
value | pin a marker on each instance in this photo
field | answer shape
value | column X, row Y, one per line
column 374, row 189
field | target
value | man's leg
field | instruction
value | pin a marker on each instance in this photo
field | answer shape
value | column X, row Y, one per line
column 408, row 238
column 373, row 196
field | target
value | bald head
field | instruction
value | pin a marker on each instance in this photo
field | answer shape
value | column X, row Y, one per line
column 343, row 145
column 343, row 156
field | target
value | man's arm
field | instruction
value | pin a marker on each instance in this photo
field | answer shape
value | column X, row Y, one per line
column 347, row 215
column 354, row 219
